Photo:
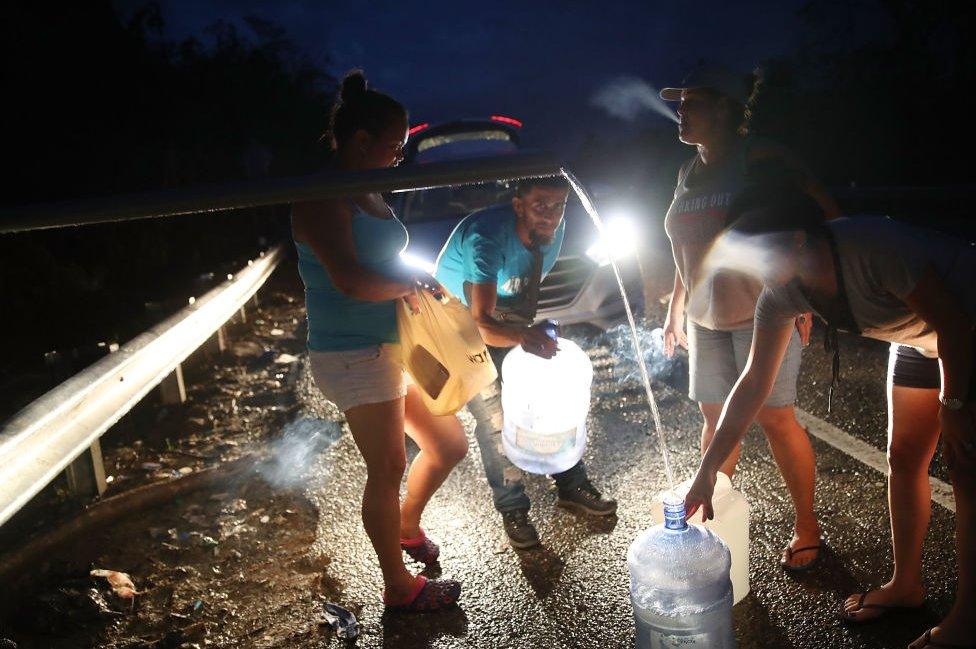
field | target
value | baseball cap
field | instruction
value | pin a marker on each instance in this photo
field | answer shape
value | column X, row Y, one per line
column 718, row 78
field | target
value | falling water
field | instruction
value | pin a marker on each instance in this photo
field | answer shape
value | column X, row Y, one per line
column 658, row 427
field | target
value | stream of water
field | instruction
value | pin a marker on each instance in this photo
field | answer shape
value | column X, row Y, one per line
column 645, row 377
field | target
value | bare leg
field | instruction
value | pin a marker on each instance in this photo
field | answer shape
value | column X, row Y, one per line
column 442, row 445
column 377, row 429
column 711, row 412
column 957, row 627
column 913, row 431
column 793, row 453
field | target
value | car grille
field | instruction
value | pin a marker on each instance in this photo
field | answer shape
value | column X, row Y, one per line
column 564, row 282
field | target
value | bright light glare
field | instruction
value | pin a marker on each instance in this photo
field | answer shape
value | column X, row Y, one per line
column 619, row 240
column 418, row 262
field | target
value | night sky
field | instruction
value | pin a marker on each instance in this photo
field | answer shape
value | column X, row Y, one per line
column 541, row 62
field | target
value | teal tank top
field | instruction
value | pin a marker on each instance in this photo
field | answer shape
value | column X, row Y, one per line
column 338, row 322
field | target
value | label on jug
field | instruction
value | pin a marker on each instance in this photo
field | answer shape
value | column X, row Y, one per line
column 672, row 641
column 545, row 443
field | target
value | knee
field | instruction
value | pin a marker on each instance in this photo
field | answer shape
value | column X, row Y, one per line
column 452, row 448
column 778, row 421
column 387, row 471
column 906, row 457
column 456, row 450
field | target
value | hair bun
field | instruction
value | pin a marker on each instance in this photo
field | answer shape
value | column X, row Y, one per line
column 353, row 86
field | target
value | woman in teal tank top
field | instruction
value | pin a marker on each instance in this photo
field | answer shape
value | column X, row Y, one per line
column 349, row 259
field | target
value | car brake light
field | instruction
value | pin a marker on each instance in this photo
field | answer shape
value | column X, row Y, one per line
column 417, row 129
column 507, row 120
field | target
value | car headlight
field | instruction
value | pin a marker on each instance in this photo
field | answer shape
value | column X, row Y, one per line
column 414, row 261
column 620, row 239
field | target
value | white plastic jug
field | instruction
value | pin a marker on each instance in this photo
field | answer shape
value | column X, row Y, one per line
column 731, row 524
column 679, row 585
column 545, row 403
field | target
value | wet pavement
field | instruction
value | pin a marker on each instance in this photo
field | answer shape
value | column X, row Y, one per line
column 574, row 591
column 300, row 542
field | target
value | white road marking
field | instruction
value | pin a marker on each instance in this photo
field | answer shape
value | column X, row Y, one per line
column 867, row 454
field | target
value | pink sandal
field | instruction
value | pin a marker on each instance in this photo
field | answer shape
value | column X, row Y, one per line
column 428, row 595
column 421, row 548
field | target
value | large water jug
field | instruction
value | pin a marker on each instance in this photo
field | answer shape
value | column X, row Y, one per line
column 731, row 524
column 545, row 403
column 680, row 586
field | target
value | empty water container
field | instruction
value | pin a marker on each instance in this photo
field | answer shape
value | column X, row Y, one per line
column 545, row 403
column 731, row 523
column 680, row 586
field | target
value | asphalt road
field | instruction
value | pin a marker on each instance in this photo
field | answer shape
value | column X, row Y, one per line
column 573, row 592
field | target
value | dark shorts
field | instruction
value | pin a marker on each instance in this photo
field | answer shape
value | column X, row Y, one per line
column 909, row 368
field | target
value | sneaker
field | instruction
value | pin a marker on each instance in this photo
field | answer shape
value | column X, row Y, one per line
column 587, row 499
column 519, row 529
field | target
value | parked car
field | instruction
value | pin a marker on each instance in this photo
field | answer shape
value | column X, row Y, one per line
column 581, row 286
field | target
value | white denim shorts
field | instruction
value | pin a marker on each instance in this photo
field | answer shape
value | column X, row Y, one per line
column 356, row 377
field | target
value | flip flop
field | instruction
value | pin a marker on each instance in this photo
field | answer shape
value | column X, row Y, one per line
column 428, row 595
column 421, row 549
column 884, row 608
column 929, row 642
column 809, row 565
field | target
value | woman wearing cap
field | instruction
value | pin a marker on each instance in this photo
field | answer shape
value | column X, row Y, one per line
column 719, row 308
column 348, row 257
column 922, row 297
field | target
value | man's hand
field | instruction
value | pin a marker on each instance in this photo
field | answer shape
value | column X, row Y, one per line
column 536, row 341
column 959, row 437
column 674, row 334
column 804, row 325
column 700, row 494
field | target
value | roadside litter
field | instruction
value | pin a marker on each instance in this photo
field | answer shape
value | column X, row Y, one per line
column 342, row 620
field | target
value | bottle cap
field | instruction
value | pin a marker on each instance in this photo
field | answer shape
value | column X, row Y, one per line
column 674, row 513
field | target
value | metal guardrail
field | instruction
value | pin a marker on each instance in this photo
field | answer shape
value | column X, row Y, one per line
column 275, row 191
column 41, row 440
column 45, row 438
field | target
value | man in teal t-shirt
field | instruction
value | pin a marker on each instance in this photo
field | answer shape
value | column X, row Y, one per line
column 494, row 262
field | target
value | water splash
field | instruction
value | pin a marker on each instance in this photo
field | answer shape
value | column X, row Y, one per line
column 590, row 208
column 294, row 452
column 625, row 359
column 627, row 97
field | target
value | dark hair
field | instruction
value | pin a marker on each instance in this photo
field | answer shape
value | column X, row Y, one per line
column 774, row 205
column 771, row 102
column 357, row 108
column 525, row 185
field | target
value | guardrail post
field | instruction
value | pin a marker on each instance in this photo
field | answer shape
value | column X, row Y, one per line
column 86, row 475
column 172, row 389
column 215, row 344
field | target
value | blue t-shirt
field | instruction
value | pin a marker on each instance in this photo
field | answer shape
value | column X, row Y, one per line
column 338, row 322
column 485, row 249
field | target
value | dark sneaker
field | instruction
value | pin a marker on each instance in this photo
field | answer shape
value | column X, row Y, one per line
column 587, row 499
column 521, row 533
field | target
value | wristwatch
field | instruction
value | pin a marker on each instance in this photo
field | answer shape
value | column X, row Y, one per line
column 951, row 404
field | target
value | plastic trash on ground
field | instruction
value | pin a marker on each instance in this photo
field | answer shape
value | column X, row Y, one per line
column 120, row 582
column 342, row 620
